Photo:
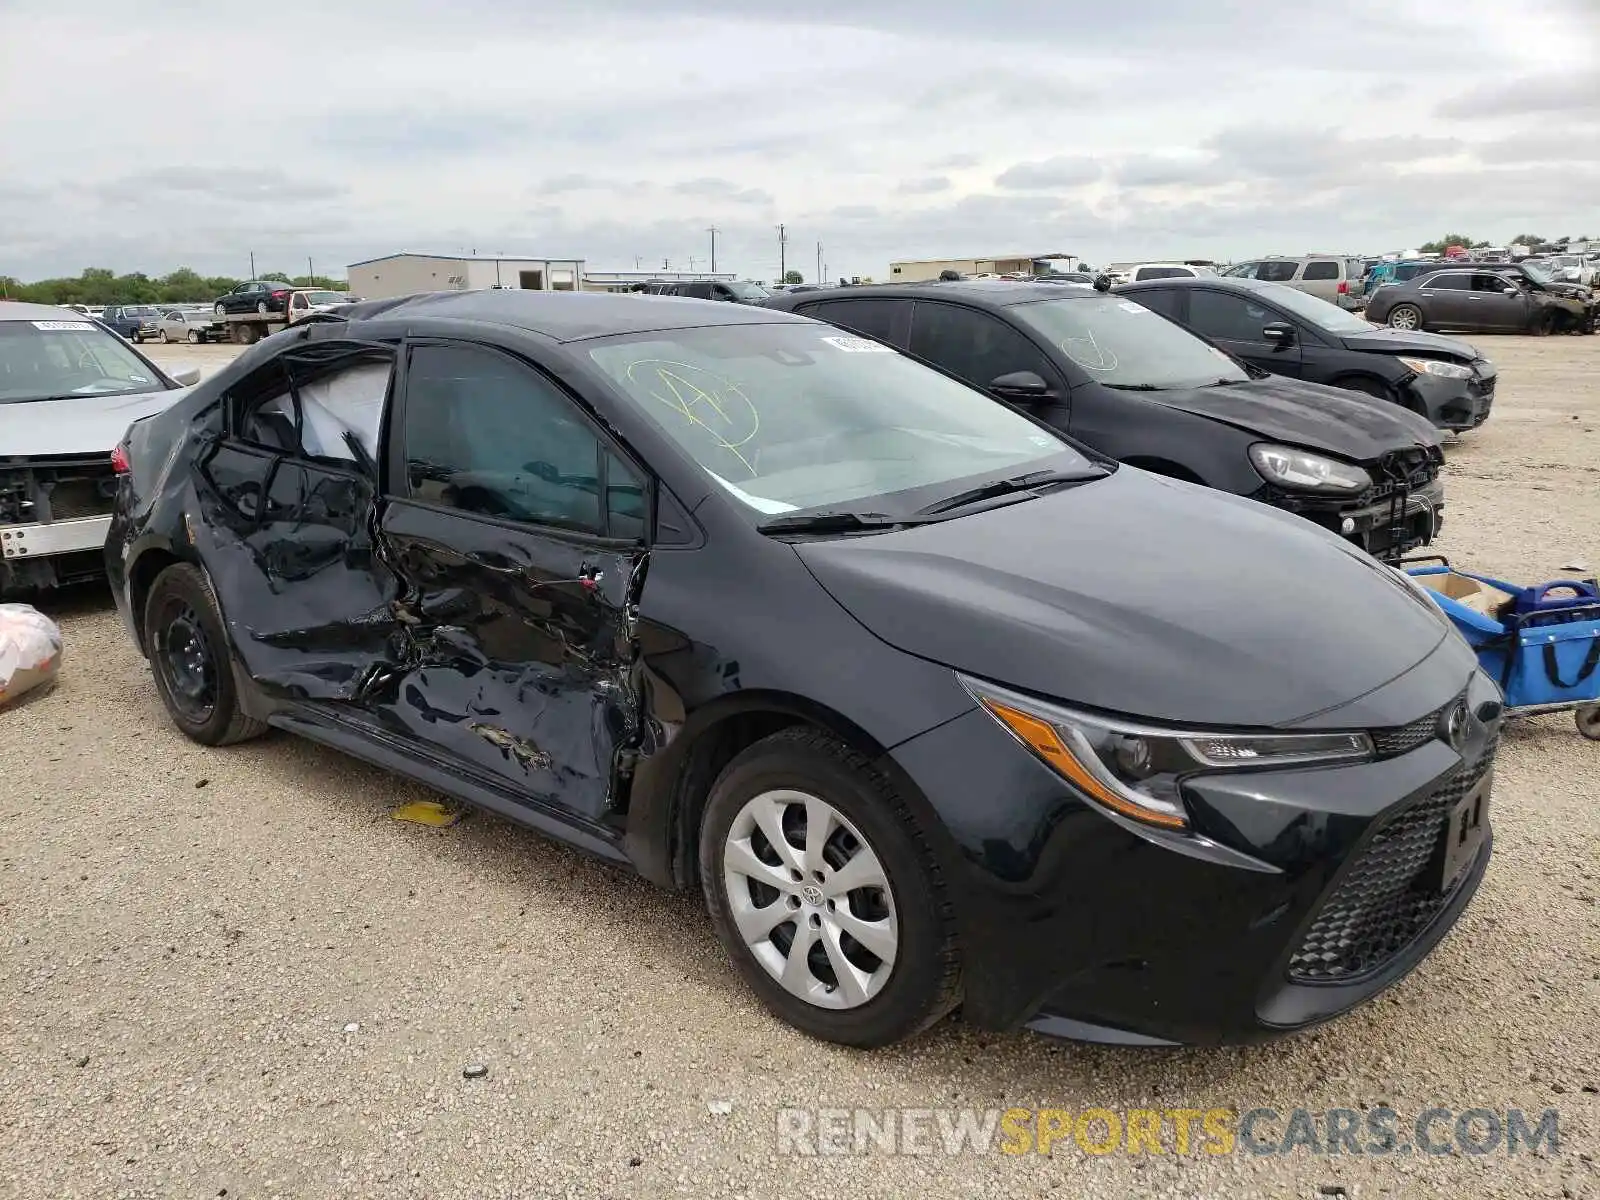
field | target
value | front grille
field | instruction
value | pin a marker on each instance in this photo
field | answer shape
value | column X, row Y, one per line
column 45, row 490
column 1391, row 743
column 1401, row 471
column 1384, row 901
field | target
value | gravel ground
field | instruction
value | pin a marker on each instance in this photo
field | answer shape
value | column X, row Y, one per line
column 229, row 973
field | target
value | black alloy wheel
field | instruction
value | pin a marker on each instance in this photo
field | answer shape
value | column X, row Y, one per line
column 188, row 651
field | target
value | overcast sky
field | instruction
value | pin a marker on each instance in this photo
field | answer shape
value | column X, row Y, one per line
column 152, row 135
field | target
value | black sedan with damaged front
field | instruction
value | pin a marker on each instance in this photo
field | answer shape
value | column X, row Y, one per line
column 1112, row 374
column 938, row 708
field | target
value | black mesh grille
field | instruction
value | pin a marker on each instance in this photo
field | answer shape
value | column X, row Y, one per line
column 1385, row 901
column 1402, row 739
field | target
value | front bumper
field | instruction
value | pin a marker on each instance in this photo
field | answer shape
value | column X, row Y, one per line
column 1301, row 894
column 1391, row 522
column 1454, row 404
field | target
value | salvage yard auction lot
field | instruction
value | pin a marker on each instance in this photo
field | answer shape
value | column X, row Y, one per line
column 230, row 970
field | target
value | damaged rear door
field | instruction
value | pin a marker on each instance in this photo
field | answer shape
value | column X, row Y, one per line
column 287, row 491
column 516, row 527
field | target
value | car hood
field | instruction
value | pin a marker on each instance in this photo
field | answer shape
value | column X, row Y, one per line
column 82, row 425
column 1312, row 416
column 1409, row 341
column 1142, row 596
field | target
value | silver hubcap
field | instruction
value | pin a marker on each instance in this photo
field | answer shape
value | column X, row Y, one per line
column 810, row 899
column 1403, row 318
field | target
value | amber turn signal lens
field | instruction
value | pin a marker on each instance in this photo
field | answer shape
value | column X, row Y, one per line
column 1044, row 740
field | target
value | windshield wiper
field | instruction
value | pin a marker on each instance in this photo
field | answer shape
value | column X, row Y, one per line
column 1005, row 487
column 1134, row 387
column 833, row 521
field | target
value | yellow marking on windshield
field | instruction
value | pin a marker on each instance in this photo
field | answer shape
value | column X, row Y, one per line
column 674, row 385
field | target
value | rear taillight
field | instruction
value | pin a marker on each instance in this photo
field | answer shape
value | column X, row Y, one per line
column 279, row 295
column 119, row 460
column 1344, row 288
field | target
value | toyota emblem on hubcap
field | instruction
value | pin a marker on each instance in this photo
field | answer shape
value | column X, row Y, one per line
column 812, row 895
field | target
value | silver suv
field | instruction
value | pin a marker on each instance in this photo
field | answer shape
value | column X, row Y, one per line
column 1337, row 278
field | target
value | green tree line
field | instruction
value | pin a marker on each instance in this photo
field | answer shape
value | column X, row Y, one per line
column 99, row 286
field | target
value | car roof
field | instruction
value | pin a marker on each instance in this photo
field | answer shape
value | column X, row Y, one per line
column 988, row 293
column 1229, row 282
column 567, row 316
column 18, row 310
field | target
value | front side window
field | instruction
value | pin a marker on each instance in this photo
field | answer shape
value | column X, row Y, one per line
column 1319, row 312
column 1277, row 272
column 974, row 345
column 793, row 415
column 748, row 292
column 1496, row 284
column 1122, row 344
column 1245, row 270
column 1226, row 317
column 489, row 435
column 1321, row 269
column 67, row 359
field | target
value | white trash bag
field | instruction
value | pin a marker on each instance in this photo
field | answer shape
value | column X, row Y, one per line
column 30, row 650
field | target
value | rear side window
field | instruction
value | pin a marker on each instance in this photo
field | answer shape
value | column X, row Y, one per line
column 1243, row 271
column 875, row 318
column 1162, row 273
column 1276, row 272
column 489, row 435
column 1322, row 269
column 1450, row 281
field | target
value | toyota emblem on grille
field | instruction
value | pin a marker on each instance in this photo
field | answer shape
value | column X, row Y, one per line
column 1454, row 725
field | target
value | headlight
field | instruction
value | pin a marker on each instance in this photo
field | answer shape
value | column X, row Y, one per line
column 1307, row 472
column 1432, row 366
column 1135, row 770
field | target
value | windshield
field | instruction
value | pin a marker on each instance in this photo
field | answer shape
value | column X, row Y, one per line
column 1538, row 274
column 749, row 291
column 792, row 416
column 60, row 359
column 325, row 297
column 1123, row 344
column 1311, row 308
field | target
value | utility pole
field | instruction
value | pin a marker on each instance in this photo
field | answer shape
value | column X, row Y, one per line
column 783, row 250
column 252, row 264
column 311, row 274
column 819, row 263
column 693, row 258
column 713, row 232
column 636, row 261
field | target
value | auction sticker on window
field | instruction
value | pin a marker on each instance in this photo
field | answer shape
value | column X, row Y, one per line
column 75, row 326
column 856, row 345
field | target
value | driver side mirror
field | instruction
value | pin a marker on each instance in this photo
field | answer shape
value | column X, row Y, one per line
column 1021, row 387
column 1279, row 333
column 185, row 376
column 1510, row 291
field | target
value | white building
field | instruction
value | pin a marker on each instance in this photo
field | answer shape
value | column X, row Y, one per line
column 403, row 274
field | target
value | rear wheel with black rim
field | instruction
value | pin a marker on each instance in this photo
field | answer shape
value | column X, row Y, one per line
column 826, row 894
column 188, row 651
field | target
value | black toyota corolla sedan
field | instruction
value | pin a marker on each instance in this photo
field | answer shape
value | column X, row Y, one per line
column 938, row 708
column 1110, row 373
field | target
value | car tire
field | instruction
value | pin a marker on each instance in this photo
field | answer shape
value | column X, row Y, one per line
column 261, row 308
column 246, row 334
column 161, row 337
column 220, row 309
column 1405, row 316
column 195, row 337
column 190, row 659
column 782, row 783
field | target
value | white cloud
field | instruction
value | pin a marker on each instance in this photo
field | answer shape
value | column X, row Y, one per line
column 882, row 128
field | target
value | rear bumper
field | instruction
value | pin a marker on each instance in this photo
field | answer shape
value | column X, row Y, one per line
column 58, row 537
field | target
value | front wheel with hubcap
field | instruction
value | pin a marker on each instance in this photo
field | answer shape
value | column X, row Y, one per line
column 194, row 337
column 188, row 651
column 826, row 894
column 1405, row 316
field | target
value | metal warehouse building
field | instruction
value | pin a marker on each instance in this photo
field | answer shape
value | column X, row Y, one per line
column 919, row 270
column 404, row 274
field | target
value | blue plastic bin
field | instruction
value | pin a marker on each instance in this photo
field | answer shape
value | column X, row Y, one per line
column 1546, row 655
